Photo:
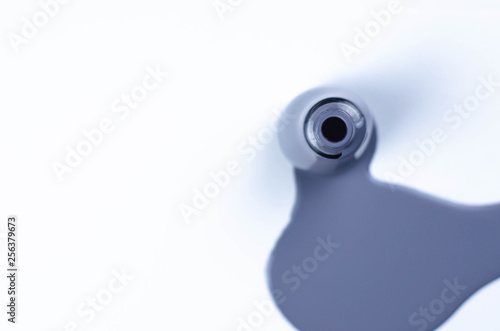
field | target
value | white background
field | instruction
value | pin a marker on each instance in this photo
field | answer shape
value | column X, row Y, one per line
column 119, row 209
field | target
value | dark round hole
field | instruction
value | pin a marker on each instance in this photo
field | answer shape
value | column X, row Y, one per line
column 334, row 129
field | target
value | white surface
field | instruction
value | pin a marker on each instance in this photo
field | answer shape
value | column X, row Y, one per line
column 119, row 208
